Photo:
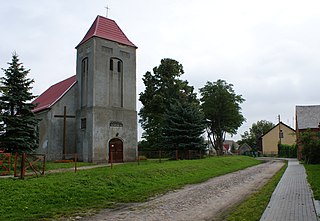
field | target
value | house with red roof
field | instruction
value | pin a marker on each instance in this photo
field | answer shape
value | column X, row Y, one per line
column 93, row 113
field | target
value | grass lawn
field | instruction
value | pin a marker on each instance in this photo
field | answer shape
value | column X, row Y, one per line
column 53, row 165
column 313, row 175
column 68, row 193
column 253, row 207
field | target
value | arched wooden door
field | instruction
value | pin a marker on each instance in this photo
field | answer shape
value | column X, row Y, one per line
column 116, row 151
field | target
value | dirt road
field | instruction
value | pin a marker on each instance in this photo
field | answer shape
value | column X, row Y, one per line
column 205, row 201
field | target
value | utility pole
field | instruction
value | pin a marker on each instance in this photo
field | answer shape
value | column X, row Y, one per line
column 280, row 131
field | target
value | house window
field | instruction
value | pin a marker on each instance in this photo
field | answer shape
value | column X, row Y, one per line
column 83, row 123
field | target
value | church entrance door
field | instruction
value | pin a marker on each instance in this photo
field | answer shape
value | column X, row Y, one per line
column 116, row 151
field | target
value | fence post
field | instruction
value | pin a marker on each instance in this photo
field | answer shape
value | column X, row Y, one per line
column 75, row 162
column 15, row 164
column 9, row 163
column 44, row 164
column 22, row 166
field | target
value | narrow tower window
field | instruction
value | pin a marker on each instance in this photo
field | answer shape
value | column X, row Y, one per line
column 116, row 83
column 84, row 81
column 111, row 64
column 119, row 66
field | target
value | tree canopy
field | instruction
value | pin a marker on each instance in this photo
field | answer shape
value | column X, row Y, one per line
column 221, row 108
column 163, row 88
column 252, row 136
column 18, row 125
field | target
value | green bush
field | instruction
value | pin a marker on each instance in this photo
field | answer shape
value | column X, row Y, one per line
column 285, row 150
column 310, row 142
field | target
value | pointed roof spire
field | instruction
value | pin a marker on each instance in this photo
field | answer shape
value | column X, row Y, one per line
column 107, row 29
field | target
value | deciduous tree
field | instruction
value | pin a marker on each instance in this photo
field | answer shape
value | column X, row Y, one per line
column 252, row 136
column 221, row 107
column 162, row 88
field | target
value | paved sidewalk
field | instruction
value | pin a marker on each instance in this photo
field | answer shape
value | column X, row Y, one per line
column 292, row 199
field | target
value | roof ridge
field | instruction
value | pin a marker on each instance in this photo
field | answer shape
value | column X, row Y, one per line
column 53, row 94
column 55, row 101
column 96, row 22
column 62, row 81
column 277, row 125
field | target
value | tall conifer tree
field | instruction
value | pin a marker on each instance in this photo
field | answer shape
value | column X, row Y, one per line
column 183, row 126
column 18, row 124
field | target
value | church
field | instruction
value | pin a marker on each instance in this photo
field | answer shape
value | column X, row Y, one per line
column 93, row 113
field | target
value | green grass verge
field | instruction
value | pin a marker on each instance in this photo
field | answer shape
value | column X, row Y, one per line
column 54, row 166
column 253, row 207
column 313, row 176
column 69, row 193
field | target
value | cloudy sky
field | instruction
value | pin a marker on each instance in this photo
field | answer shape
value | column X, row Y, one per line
column 268, row 49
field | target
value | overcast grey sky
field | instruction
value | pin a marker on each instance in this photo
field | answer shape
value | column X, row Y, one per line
column 268, row 49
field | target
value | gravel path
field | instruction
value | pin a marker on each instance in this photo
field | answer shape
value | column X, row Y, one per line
column 205, row 201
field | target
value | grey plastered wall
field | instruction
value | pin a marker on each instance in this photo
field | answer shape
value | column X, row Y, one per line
column 44, row 131
column 99, row 111
column 51, row 128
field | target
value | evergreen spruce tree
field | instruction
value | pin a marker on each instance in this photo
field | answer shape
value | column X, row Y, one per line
column 183, row 126
column 18, row 124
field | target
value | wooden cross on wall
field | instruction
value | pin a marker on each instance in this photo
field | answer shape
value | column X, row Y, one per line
column 64, row 116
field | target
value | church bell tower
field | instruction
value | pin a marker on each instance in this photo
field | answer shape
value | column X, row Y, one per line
column 106, row 97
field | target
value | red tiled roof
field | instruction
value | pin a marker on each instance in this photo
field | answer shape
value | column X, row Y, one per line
column 107, row 29
column 53, row 94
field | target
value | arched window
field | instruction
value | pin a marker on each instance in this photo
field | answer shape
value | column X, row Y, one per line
column 111, row 64
column 116, row 82
column 119, row 69
column 84, row 81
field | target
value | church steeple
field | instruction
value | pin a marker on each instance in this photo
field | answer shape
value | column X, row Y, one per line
column 106, row 74
column 107, row 29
